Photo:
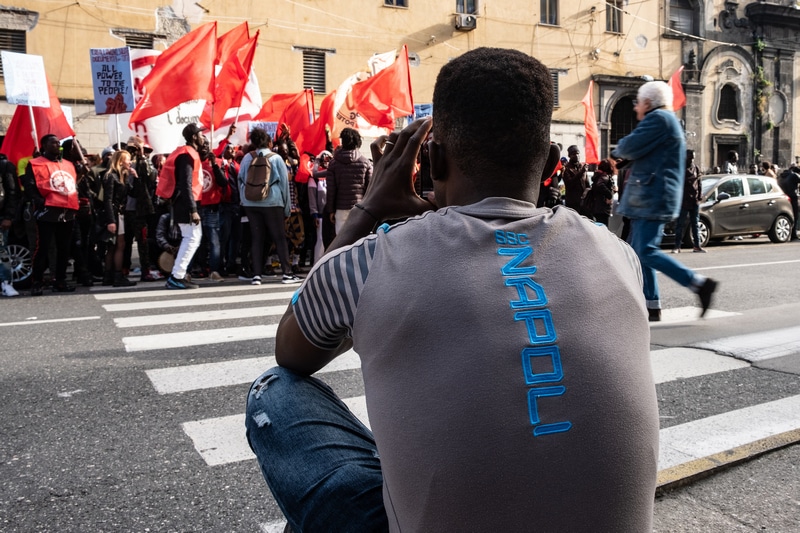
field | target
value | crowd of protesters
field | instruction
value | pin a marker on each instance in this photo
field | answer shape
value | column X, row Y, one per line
column 66, row 206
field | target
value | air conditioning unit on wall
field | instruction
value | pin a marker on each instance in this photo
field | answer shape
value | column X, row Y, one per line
column 466, row 22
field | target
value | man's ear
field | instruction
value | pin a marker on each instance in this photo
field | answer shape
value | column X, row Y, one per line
column 552, row 161
column 438, row 161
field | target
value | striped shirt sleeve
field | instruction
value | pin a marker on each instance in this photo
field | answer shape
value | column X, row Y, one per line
column 325, row 305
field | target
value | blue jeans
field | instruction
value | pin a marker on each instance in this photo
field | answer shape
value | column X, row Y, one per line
column 320, row 462
column 209, row 219
column 694, row 219
column 645, row 239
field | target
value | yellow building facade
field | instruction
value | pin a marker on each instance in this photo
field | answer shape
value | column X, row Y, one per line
column 316, row 43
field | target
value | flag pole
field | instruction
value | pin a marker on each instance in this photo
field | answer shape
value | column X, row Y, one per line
column 34, row 132
column 116, row 117
column 211, row 140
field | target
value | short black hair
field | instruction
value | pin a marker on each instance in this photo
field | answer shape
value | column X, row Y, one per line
column 492, row 110
column 189, row 131
column 44, row 139
column 351, row 139
column 259, row 138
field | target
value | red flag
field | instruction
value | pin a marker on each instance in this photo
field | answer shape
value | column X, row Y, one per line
column 183, row 72
column 19, row 139
column 312, row 139
column 273, row 108
column 590, row 125
column 678, row 96
column 299, row 114
column 229, row 43
column 230, row 83
column 386, row 95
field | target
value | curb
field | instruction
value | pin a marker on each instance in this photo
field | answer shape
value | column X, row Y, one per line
column 686, row 473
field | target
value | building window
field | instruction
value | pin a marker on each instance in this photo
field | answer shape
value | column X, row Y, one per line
column 469, row 7
column 549, row 12
column 614, row 16
column 314, row 71
column 396, row 3
column 728, row 108
column 683, row 17
column 623, row 120
column 554, row 74
column 12, row 41
column 143, row 41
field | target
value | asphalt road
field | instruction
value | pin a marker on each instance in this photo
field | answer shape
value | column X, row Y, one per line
column 102, row 428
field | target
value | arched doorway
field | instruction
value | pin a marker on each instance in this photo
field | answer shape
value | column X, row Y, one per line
column 623, row 120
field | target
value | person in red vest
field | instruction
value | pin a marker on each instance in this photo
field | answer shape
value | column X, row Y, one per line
column 181, row 182
column 51, row 186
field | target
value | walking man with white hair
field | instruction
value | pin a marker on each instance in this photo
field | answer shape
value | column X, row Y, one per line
column 653, row 193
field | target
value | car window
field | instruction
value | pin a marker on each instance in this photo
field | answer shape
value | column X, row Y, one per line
column 756, row 185
column 733, row 187
column 769, row 186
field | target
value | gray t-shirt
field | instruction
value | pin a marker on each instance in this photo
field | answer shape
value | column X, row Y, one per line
column 505, row 354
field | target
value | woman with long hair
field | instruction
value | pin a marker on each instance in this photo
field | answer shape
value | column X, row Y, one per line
column 117, row 185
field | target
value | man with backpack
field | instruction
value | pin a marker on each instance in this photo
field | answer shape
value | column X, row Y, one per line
column 788, row 182
column 264, row 191
column 181, row 182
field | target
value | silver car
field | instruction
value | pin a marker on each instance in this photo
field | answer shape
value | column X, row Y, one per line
column 743, row 204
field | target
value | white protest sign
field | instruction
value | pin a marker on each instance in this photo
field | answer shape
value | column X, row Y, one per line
column 25, row 79
column 112, row 80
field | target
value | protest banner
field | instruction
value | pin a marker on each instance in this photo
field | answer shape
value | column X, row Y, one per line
column 112, row 80
column 25, row 80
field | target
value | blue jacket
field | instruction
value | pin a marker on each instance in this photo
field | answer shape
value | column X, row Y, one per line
column 279, row 193
column 658, row 150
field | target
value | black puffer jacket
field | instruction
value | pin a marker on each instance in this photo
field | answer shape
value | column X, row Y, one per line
column 348, row 177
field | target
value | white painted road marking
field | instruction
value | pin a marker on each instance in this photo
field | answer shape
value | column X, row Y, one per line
column 757, row 346
column 226, row 373
column 197, row 338
column 687, row 314
column 49, row 321
column 680, row 363
column 194, row 316
column 195, row 302
column 179, row 293
column 708, row 436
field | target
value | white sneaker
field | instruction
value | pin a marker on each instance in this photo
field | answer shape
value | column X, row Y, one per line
column 291, row 278
column 256, row 280
column 214, row 276
column 156, row 274
column 9, row 290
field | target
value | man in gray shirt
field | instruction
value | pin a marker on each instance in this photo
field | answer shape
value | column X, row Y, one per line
column 500, row 395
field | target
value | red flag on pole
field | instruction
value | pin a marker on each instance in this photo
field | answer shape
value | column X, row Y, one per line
column 386, row 95
column 183, row 72
column 678, row 96
column 590, row 126
column 312, row 139
column 273, row 108
column 230, row 83
column 19, row 141
column 230, row 42
column 299, row 114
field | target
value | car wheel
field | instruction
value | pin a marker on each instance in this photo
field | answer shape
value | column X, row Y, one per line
column 703, row 232
column 19, row 261
column 781, row 230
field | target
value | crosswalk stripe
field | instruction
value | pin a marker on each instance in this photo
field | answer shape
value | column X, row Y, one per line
column 216, row 289
column 196, row 302
column 709, row 436
column 212, row 437
column 197, row 338
column 33, row 320
column 759, row 346
column 209, row 375
column 687, row 314
column 190, row 318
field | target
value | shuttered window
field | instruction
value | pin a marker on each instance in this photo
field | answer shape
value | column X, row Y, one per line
column 12, row 41
column 554, row 73
column 314, row 71
column 143, row 41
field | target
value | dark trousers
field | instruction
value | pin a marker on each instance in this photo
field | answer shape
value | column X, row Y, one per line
column 268, row 221
column 136, row 229
column 61, row 234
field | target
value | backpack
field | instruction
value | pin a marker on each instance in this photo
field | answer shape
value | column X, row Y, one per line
column 587, row 202
column 257, row 181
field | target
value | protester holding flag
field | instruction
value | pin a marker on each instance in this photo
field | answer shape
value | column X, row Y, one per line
column 50, row 185
column 181, row 182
